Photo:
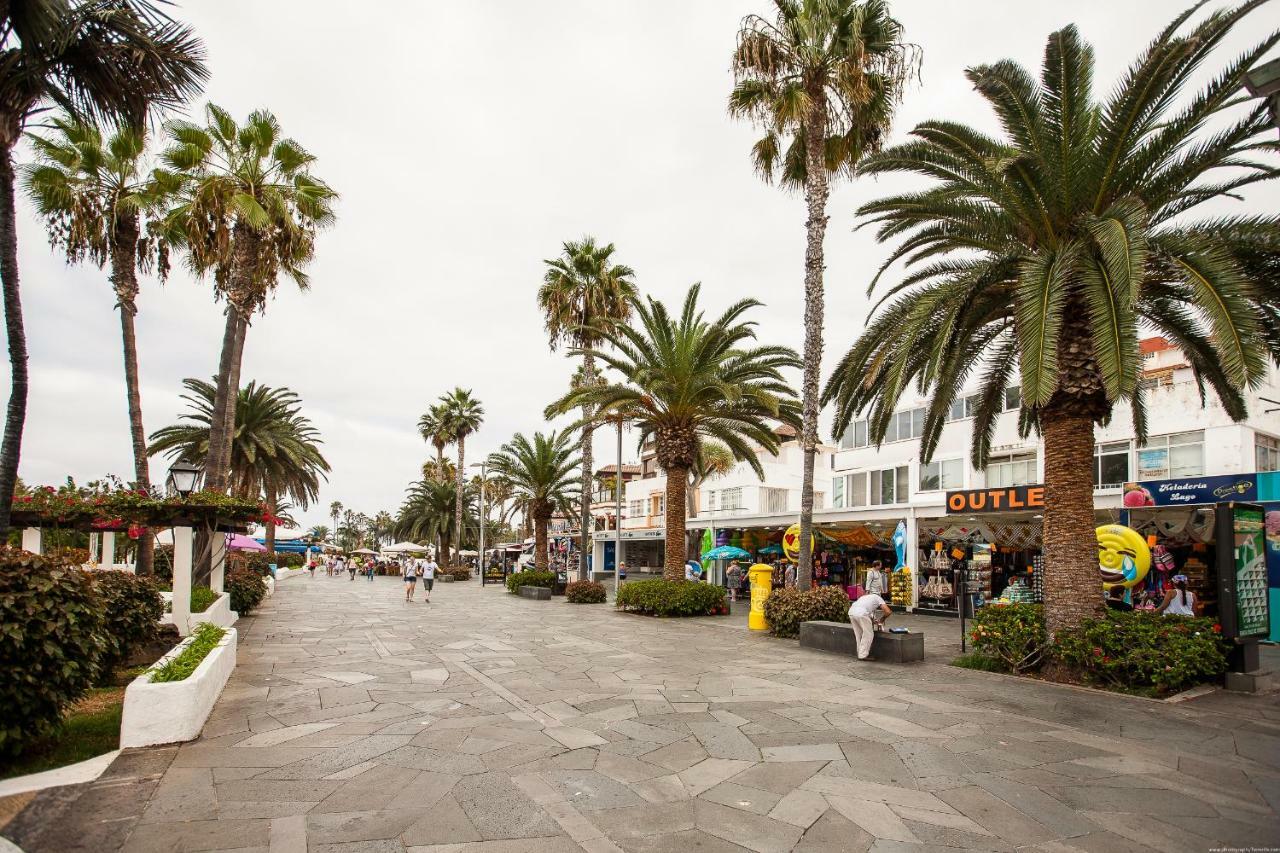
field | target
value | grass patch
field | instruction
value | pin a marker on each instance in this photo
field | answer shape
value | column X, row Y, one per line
column 201, row 598
column 207, row 636
column 973, row 660
column 91, row 727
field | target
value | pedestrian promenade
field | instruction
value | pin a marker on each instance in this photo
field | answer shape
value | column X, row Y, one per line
column 482, row 722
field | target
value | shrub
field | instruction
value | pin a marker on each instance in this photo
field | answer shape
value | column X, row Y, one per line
column 247, row 590
column 205, row 638
column 662, row 597
column 1010, row 635
column 131, row 607
column 1163, row 654
column 460, row 573
column 201, row 598
column 786, row 608
column 585, row 592
column 529, row 578
column 51, row 642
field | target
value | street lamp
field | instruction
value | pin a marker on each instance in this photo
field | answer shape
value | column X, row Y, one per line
column 484, row 471
column 183, row 478
column 1264, row 82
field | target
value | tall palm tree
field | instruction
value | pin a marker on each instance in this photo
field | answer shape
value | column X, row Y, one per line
column 94, row 192
column 434, row 428
column 443, row 470
column 275, row 453
column 123, row 60
column 427, row 514
column 822, row 78
column 319, row 533
column 335, row 511
column 686, row 379
column 1051, row 248
column 463, row 415
column 583, row 293
column 248, row 209
column 383, row 527
column 542, row 473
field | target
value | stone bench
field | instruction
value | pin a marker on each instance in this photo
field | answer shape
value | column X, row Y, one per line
column 541, row 593
column 838, row 637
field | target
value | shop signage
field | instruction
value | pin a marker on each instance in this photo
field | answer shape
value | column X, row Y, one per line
column 642, row 533
column 1191, row 491
column 996, row 500
column 1242, row 570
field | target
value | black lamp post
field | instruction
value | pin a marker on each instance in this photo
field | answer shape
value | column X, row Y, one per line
column 183, row 478
column 1264, row 82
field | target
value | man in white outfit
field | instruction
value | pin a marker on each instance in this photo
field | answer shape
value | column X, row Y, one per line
column 864, row 615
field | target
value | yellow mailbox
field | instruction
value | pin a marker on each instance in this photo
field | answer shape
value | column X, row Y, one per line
column 761, row 585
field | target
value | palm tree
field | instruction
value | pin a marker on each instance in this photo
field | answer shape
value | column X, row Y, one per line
column 124, row 61
column 541, row 473
column 822, row 79
column 248, row 209
column 434, row 428
column 583, row 293
column 319, row 533
column 1048, row 250
column 427, row 514
column 463, row 415
column 442, row 470
column 93, row 193
column 335, row 510
column 687, row 379
column 275, row 453
column 383, row 527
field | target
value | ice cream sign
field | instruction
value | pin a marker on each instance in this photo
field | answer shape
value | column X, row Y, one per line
column 1191, row 491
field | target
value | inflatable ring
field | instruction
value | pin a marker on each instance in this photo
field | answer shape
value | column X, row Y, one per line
column 1124, row 558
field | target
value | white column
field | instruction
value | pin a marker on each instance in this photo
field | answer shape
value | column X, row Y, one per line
column 31, row 540
column 108, row 549
column 219, row 546
column 95, row 547
column 182, row 547
column 913, row 555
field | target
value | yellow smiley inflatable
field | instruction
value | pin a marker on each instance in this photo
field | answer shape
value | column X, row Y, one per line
column 791, row 543
column 1123, row 556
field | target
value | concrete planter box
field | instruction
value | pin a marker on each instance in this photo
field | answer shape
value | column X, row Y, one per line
column 838, row 637
column 176, row 711
column 539, row 593
column 219, row 613
column 445, row 578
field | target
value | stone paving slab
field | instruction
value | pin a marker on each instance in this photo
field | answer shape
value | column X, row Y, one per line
column 484, row 723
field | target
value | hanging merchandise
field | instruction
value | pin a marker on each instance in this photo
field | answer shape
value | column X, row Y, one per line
column 900, row 584
column 722, row 537
column 1162, row 559
column 900, row 547
column 1037, row 578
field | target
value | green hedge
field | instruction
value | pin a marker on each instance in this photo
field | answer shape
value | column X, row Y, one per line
column 1145, row 651
column 585, row 592
column 786, row 608
column 51, row 643
column 529, row 578
column 661, row 597
column 131, row 607
column 206, row 638
column 1011, row 636
column 247, row 589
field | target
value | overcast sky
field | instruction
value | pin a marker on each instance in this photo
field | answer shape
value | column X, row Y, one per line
column 468, row 140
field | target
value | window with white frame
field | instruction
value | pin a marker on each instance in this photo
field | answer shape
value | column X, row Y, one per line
column 775, row 500
column 942, row 475
column 635, row 509
column 1110, row 464
column 856, row 490
column 1267, row 450
column 1012, row 397
column 819, row 499
column 889, row 486
column 731, row 498
column 963, row 407
column 855, row 435
column 1013, row 469
column 837, row 492
column 711, row 500
column 1179, row 454
column 657, row 504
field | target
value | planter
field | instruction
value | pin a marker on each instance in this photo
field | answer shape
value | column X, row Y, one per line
column 446, row 578
column 175, row 711
column 540, row 593
column 219, row 613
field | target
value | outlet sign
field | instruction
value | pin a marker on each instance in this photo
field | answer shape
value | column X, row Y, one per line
column 1006, row 499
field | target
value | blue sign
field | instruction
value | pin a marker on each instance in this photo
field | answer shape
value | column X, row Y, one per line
column 1191, row 491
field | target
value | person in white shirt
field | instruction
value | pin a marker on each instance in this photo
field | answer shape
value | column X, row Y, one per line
column 864, row 614
column 427, row 569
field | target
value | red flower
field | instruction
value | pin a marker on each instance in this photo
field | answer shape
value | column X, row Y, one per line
column 1217, row 629
column 1097, row 652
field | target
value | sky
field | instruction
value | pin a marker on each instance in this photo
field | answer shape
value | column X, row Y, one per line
column 468, row 141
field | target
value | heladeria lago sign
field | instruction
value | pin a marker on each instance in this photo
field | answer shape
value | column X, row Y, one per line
column 1191, row 491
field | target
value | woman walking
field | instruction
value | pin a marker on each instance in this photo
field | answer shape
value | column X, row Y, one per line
column 410, row 581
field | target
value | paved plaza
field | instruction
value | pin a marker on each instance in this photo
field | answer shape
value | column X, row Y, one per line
column 481, row 722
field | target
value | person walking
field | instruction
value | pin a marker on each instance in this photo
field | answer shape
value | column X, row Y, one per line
column 866, row 614
column 352, row 566
column 428, row 570
column 368, row 567
column 410, row 580
column 875, row 578
column 789, row 576
column 311, row 567
column 733, row 576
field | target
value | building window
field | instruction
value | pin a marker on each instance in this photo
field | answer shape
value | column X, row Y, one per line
column 854, row 436
column 819, row 499
column 856, row 494
column 731, row 498
column 635, row 509
column 711, row 500
column 837, row 492
column 943, row 475
column 963, row 407
column 1111, row 464
column 657, row 505
column 1011, row 470
column 889, row 486
column 775, row 500
column 1180, row 454
column 1267, row 449
column 1012, row 397
column 650, row 467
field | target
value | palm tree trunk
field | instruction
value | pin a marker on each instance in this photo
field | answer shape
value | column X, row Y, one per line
column 677, row 546
column 269, row 540
column 541, row 561
column 1072, row 586
column 239, row 307
column 815, row 191
column 16, row 414
column 584, row 547
column 457, row 512
column 215, row 478
column 124, row 277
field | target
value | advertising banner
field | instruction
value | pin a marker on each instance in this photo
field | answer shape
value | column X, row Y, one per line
column 1191, row 491
column 1242, row 571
